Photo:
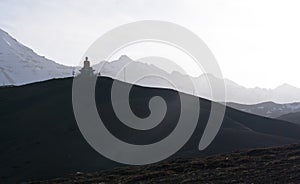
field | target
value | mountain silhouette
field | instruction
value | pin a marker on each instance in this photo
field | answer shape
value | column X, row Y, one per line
column 40, row 138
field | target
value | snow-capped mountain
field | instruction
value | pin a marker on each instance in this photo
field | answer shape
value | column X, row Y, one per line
column 234, row 92
column 20, row 65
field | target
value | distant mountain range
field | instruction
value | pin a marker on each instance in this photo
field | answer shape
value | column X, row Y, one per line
column 234, row 92
column 20, row 65
column 40, row 138
column 268, row 109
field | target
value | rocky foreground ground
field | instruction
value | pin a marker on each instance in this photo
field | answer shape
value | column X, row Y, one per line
column 270, row 165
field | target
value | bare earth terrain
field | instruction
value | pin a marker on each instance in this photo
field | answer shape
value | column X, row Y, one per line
column 269, row 165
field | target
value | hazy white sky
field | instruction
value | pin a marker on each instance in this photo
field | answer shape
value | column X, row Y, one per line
column 256, row 42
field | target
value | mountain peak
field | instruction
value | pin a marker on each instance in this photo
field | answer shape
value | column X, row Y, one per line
column 21, row 65
column 285, row 86
column 125, row 58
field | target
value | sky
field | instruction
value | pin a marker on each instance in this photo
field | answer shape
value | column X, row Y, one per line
column 256, row 43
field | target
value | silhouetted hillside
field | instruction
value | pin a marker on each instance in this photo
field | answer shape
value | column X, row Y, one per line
column 40, row 138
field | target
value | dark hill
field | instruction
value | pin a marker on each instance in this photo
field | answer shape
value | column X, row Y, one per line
column 40, row 138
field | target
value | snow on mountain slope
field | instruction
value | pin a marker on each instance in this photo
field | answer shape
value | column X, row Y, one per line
column 268, row 109
column 20, row 65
